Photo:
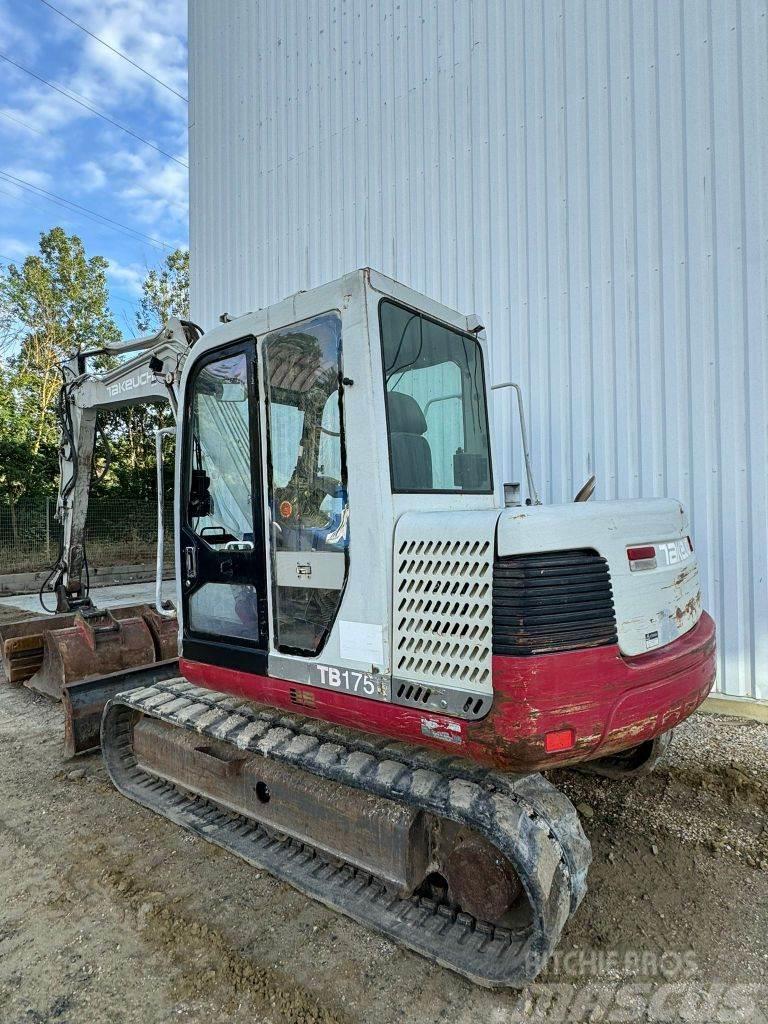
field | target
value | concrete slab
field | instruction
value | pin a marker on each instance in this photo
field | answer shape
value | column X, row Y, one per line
column 102, row 597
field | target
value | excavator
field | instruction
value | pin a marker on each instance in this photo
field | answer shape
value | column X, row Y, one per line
column 384, row 647
column 82, row 654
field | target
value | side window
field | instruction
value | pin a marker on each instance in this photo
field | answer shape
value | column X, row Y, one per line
column 309, row 512
column 436, row 409
column 437, row 390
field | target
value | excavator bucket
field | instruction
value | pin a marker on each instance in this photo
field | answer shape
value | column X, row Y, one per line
column 84, row 701
column 22, row 643
column 49, row 652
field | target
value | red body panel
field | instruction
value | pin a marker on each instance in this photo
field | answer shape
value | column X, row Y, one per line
column 611, row 702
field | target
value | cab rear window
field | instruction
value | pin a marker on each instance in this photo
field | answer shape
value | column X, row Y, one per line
column 436, row 410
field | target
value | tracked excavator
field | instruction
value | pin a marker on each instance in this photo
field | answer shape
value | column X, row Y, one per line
column 384, row 646
column 82, row 653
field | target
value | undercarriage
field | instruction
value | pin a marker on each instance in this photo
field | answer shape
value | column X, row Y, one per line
column 474, row 869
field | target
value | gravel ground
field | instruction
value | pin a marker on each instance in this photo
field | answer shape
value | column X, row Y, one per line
column 110, row 914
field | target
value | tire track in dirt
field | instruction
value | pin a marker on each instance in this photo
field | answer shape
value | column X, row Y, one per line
column 203, row 958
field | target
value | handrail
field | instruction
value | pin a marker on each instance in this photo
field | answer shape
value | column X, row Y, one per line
column 533, row 493
column 165, row 608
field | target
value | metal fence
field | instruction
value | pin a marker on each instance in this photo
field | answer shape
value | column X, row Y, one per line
column 119, row 531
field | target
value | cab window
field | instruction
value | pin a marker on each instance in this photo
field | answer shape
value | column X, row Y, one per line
column 436, row 410
column 308, row 504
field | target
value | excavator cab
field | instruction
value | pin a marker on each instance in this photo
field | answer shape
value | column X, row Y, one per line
column 342, row 527
column 299, row 438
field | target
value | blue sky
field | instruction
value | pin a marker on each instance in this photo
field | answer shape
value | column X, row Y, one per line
column 50, row 142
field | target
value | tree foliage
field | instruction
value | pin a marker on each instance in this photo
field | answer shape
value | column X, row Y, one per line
column 165, row 292
column 53, row 304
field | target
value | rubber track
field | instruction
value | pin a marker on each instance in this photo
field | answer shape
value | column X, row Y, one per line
column 534, row 825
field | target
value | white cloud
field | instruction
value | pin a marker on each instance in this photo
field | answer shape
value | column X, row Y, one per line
column 128, row 276
column 92, row 176
column 143, row 188
column 150, row 32
column 156, row 190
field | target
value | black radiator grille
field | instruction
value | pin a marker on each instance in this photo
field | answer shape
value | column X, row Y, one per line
column 553, row 601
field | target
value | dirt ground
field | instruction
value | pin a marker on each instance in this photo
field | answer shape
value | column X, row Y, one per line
column 109, row 914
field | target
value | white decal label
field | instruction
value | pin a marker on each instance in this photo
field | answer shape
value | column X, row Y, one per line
column 652, row 639
column 122, row 387
column 347, row 679
column 674, row 551
column 441, row 729
column 361, row 641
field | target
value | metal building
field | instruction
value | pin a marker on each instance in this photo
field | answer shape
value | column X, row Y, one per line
column 590, row 176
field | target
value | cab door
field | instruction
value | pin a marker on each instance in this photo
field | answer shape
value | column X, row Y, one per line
column 223, row 558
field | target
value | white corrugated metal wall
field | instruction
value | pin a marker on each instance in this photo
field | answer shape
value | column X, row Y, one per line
column 591, row 176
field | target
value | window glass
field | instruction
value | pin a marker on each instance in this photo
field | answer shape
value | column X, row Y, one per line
column 225, row 609
column 219, row 507
column 436, row 410
column 307, row 480
column 219, row 501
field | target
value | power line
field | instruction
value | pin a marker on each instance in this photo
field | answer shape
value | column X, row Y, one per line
column 18, row 120
column 129, row 232
column 68, row 209
column 112, row 48
column 62, row 200
column 93, row 110
column 72, row 207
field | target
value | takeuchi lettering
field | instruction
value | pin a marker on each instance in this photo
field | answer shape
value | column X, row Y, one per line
column 129, row 384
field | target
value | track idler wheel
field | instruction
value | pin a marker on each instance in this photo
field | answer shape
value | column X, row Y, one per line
column 480, row 881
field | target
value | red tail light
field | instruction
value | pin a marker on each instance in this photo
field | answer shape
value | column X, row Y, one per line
column 642, row 557
column 563, row 739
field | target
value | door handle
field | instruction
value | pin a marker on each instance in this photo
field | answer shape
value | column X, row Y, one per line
column 190, row 562
column 226, row 568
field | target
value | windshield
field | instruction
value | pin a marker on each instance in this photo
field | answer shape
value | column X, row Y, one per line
column 220, row 504
column 436, row 410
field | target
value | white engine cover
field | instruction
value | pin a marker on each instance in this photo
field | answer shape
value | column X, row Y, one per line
column 653, row 606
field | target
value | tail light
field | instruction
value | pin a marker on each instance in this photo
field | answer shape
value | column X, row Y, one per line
column 642, row 557
column 563, row 739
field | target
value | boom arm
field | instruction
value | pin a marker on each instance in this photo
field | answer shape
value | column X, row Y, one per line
column 149, row 376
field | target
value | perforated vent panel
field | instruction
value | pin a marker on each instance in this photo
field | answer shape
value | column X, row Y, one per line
column 443, row 611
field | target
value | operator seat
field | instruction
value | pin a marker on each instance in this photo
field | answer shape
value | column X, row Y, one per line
column 411, row 454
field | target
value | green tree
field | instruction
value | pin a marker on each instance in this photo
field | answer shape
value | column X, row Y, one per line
column 165, row 292
column 53, row 304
